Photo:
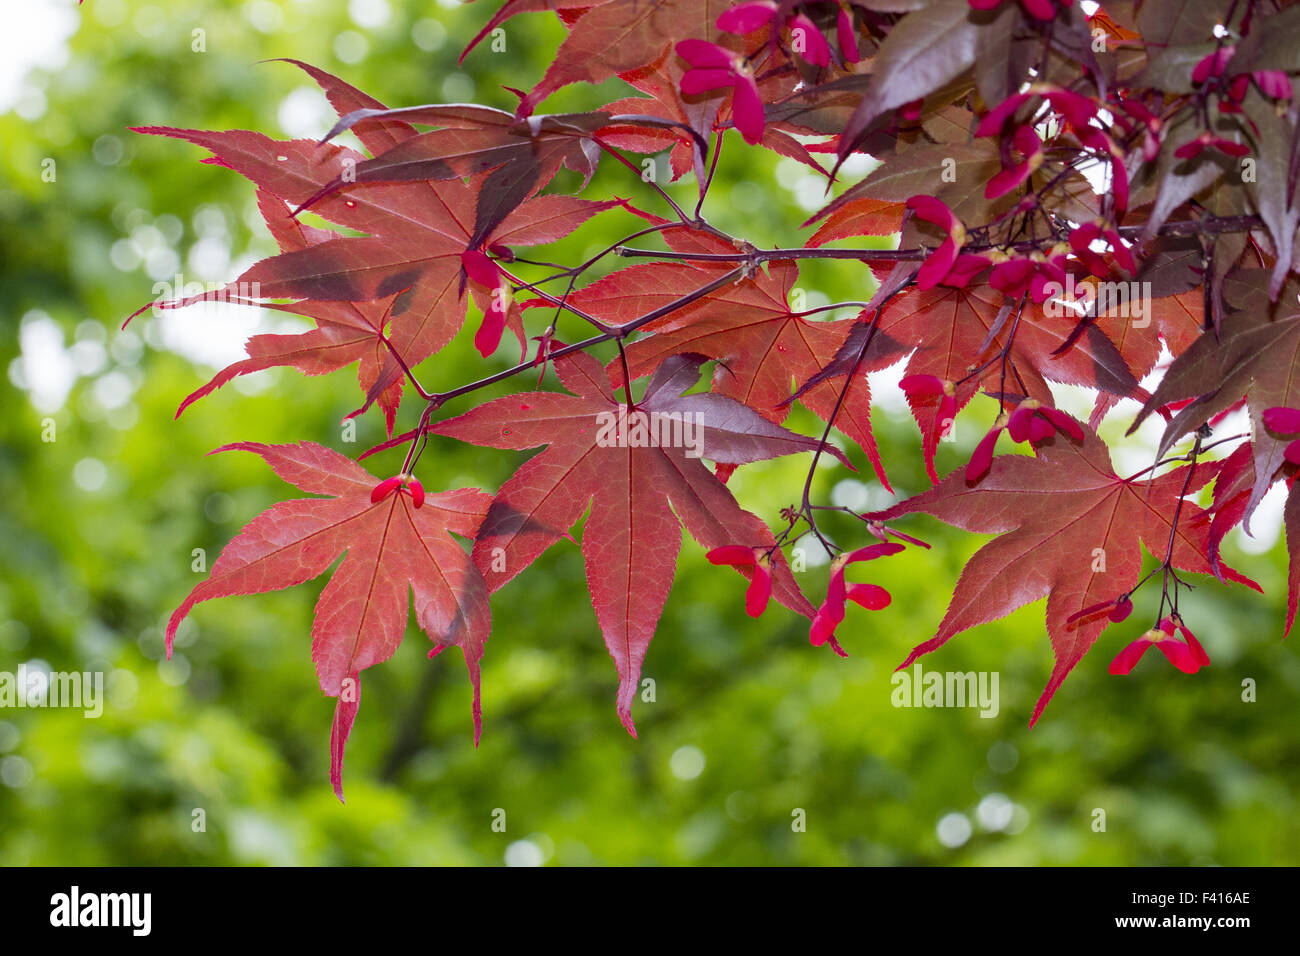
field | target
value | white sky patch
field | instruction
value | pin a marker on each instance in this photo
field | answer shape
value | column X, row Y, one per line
column 885, row 393
column 35, row 35
column 89, row 474
column 815, row 554
column 953, row 830
column 851, row 493
column 687, row 762
column 857, row 164
column 809, row 189
column 370, row 14
column 113, row 390
column 305, row 114
column 89, row 357
column 1097, row 172
column 995, row 812
column 429, row 35
column 789, row 172
column 351, row 47
column 524, row 853
column 1265, row 523
column 264, row 15
column 810, row 193
column 209, row 258
column 45, row 369
column 214, row 333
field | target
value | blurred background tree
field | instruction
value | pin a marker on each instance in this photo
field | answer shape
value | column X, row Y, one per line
column 749, row 726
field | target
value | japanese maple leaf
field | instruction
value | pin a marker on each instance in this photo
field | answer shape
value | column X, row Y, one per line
column 1232, row 487
column 850, row 218
column 1255, row 356
column 346, row 332
column 472, row 139
column 956, row 336
column 416, row 232
column 1069, row 529
column 1291, row 520
column 521, row 155
column 858, row 217
column 1174, row 320
column 394, row 546
column 515, row 7
column 762, row 346
column 663, row 84
column 640, row 495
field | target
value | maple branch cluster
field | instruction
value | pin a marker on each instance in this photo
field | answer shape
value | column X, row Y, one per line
column 1040, row 164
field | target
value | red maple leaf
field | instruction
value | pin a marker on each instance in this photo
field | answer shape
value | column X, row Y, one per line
column 1069, row 529
column 762, row 346
column 346, row 332
column 395, row 546
column 640, row 494
column 1291, row 521
column 416, row 231
column 699, row 113
column 1174, row 320
column 956, row 335
column 858, row 217
column 1253, row 356
column 515, row 7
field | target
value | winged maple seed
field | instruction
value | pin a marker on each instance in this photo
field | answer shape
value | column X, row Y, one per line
column 399, row 483
column 871, row 596
column 1032, row 422
column 1187, row 655
column 1018, row 163
column 1286, row 422
column 760, row 583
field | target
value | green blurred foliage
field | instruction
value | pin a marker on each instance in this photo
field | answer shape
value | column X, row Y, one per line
column 749, row 726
